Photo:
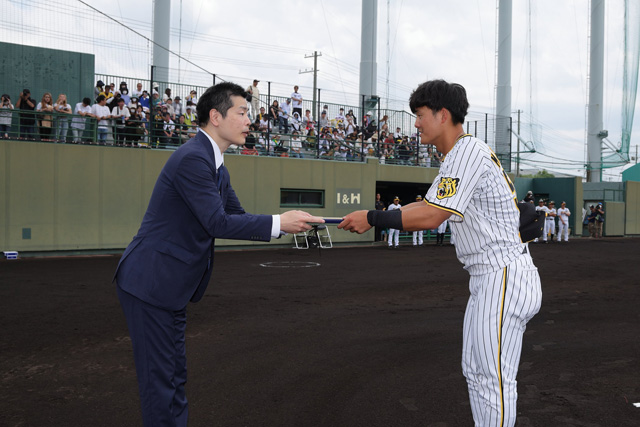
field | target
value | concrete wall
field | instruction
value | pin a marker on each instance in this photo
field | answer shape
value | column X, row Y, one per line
column 75, row 197
column 614, row 223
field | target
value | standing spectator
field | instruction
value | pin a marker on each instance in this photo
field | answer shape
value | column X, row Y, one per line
column 108, row 94
column 101, row 112
column 599, row 220
column 133, row 103
column 355, row 120
column 27, row 120
column 283, row 116
column 178, row 108
column 63, row 111
column 255, row 98
column 394, row 234
column 193, row 97
column 190, row 116
column 124, row 92
column 121, row 114
column 307, row 121
column 591, row 221
column 137, row 92
column 78, row 123
column 45, row 106
column 563, row 222
column 98, row 89
column 324, row 121
column 5, row 116
column 340, row 117
column 296, row 101
column 135, row 127
column 350, row 127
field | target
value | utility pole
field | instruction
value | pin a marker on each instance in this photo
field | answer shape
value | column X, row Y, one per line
column 315, row 80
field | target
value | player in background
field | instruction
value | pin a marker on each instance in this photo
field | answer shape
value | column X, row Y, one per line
column 563, row 222
column 394, row 233
column 550, row 222
column 418, row 236
column 442, row 229
column 543, row 208
column 476, row 195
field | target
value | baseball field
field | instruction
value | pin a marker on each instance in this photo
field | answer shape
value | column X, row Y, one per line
column 361, row 336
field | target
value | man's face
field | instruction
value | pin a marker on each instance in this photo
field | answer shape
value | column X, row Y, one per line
column 396, row 201
column 139, row 86
column 261, row 110
column 378, row 196
column 429, row 125
column 295, row 89
column 234, row 128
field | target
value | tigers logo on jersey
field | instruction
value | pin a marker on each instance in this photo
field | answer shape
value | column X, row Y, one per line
column 447, row 187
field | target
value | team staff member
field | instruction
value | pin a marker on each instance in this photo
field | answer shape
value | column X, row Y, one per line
column 563, row 222
column 418, row 236
column 170, row 260
column 477, row 197
column 394, row 233
column 543, row 208
column 379, row 206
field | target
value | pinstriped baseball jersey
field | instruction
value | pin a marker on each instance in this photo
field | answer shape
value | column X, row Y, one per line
column 485, row 219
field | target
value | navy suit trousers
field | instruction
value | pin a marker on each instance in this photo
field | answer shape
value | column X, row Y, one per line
column 158, row 338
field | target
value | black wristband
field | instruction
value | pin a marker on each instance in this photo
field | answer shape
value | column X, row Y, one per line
column 385, row 219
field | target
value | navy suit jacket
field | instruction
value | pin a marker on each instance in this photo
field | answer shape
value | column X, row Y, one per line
column 170, row 260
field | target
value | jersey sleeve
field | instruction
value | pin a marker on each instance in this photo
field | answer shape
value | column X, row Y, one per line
column 453, row 188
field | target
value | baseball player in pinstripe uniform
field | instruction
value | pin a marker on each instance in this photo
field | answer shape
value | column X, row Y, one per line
column 418, row 236
column 474, row 193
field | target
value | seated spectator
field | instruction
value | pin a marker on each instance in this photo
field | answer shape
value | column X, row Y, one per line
column 137, row 92
column 133, row 103
column 78, row 124
column 107, row 93
column 307, row 121
column 169, row 104
column 350, row 128
column 5, row 116
column 145, row 101
column 193, row 97
column 274, row 111
column 190, row 117
column 398, row 133
column 178, row 108
column 168, row 129
column 295, row 122
column 63, row 111
column 101, row 112
column 249, row 148
column 166, row 95
column 284, row 115
column 350, row 114
column 295, row 145
column 27, row 120
column 45, row 106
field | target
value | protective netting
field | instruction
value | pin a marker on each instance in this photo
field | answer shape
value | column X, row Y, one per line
column 629, row 82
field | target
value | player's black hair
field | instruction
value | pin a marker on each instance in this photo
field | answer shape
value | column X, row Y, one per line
column 439, row 94
column 217, row 97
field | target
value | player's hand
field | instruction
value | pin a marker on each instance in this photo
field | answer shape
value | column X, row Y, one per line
column 297, row 221
column 355, row 222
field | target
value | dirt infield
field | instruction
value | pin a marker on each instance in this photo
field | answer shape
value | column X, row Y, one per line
column 370, row 337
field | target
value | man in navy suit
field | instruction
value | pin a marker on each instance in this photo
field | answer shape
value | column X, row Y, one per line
column 170, row 260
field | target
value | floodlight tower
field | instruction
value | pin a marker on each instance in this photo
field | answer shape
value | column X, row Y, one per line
column 161, row 37
column 368, row 64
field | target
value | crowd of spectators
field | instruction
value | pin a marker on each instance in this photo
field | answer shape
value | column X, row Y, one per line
column 118, row 116
column 281, row 129
column 114, row 116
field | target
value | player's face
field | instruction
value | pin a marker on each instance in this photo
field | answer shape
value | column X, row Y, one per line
column 234, row 128
column 429, row 125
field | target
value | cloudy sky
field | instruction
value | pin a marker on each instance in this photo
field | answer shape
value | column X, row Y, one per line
column 417, row 40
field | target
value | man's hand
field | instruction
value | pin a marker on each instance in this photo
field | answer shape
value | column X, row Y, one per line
column 297, row 221
column 355, row 222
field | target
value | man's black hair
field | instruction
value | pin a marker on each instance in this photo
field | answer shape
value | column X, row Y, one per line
column 86, row 101
column 217, row 97
column 100, row 98
column 439, row 94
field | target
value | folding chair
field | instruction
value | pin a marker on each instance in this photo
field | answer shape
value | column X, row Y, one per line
column 303, row 243
column 322, row 232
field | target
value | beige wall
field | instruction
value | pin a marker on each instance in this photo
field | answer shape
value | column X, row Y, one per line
column 75, row 197
column 632, row 199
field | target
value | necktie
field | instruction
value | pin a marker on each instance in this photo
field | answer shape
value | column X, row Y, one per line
column 222, row 177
